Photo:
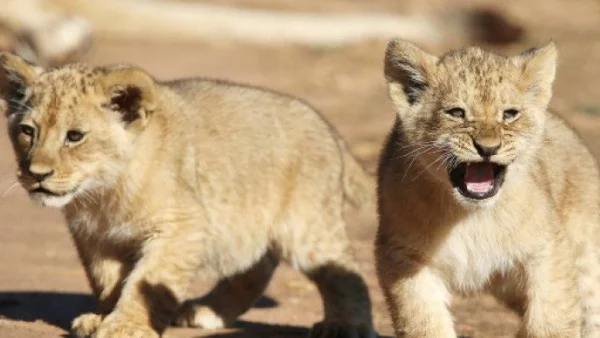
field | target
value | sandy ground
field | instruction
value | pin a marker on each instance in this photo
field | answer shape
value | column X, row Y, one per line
column 42, row 285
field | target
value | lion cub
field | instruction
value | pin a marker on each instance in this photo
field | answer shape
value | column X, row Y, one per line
column 480, row 188
column 161, row 180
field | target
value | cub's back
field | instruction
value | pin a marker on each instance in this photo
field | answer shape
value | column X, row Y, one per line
column 254, row 146
column 256, row 117
column 569, row 171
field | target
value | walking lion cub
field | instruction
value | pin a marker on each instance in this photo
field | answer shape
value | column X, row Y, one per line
column 161, row 180
column 481, row 188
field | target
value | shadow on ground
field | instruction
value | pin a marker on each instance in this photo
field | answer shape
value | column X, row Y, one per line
column 245, row 329
column 59, row 309
column 264, row 302
column 54, row 308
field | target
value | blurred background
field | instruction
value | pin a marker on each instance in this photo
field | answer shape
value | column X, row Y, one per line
column 327, row 52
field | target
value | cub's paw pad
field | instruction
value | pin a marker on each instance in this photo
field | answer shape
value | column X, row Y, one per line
column 85, row 325
column 124, row 329
column 338, row 330
column 199, row 316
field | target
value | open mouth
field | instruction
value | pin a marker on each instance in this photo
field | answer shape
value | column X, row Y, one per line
column 44, row 191
column 478, row 180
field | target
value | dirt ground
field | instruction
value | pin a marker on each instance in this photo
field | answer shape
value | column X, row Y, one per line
column 42, row 284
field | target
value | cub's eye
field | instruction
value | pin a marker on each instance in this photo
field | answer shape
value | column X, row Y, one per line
column 27, row 130
column 74, row 136
column 510, row 114
column 456, row 112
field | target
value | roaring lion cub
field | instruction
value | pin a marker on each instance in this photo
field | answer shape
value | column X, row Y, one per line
column 160, row 180
column 480, row 188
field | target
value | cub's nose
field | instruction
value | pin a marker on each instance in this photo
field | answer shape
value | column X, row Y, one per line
column 40, row 173
column 486, row 150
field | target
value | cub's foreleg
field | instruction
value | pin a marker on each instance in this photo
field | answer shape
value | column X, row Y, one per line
column 157, row 284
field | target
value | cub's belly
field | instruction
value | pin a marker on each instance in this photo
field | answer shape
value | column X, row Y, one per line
column 223, row 257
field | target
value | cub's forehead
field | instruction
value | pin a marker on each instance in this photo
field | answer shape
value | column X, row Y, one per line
column 73, row 79
column 477, row 76
column 58, row 92
column 476, row 64
column 63, row 87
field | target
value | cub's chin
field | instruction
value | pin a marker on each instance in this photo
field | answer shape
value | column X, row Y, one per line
column 48, row 198
column 477, row 182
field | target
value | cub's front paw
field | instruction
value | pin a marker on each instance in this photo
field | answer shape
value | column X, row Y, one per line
column 122, row 328
column 199, row 316
column 328, row 329
column 85, row 325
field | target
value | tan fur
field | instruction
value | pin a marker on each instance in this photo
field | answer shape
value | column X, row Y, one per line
column 534, row 244
column 188, row 176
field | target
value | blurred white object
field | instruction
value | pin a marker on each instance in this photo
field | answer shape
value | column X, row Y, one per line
column 46, row 34
column 192, row 20
column 58, row 31
column 159, row 19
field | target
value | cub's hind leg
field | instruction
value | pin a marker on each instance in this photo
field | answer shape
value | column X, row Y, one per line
column 345, row 300
column 231, row 297
column 322, row 252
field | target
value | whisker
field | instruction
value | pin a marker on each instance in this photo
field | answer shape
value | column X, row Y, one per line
column 10, row 189
column 417, row 151
column 410, row 165
column 429, row 166
column 444, row 161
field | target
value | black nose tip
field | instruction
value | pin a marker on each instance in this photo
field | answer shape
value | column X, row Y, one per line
column 486, row 151
column 40, row 176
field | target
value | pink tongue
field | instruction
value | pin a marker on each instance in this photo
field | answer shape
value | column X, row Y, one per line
column 479, row 177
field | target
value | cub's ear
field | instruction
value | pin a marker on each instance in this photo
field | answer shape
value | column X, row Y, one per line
column 538, row 67
column 408, row 71
column 131, row 92
column 16, row 75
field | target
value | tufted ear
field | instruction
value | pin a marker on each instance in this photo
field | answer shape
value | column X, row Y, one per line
column 131, row 92
column 408, row 71
column 16, row 75
column 538, row 67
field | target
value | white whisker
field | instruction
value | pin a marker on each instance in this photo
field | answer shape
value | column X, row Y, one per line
column 439, row 158
column 10, row 189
